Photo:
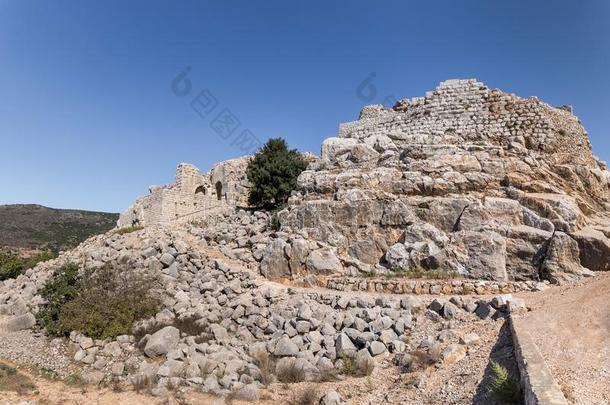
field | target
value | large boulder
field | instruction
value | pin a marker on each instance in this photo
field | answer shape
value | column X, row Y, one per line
column 162, row 341
column 18, row 322
column 594, row 249
column 323, row 260
column 275, row 262
column 559, row 257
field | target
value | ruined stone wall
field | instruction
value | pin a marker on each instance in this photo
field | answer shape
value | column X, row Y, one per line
column 467, row 178
column 193, row 196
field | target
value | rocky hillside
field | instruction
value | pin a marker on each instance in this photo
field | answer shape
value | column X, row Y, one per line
column 500, row 194
column 34, row 227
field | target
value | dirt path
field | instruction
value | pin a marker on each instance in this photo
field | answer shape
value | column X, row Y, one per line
column 571, row 327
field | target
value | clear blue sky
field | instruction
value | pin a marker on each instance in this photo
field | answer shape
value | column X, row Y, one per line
column 88, row 118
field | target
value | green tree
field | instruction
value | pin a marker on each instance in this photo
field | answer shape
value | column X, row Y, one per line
column 273, row 173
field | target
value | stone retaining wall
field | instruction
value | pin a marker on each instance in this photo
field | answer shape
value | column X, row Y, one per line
column 539, row 387
column 434, row 287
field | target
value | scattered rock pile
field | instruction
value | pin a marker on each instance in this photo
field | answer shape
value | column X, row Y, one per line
column 219, row 319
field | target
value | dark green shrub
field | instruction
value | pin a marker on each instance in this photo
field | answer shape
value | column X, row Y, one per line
column 61, row 289
column 101, row 304
column 273, row 173
column 109, row 302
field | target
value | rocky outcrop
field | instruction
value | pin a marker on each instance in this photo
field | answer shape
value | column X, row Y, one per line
column 467, row 178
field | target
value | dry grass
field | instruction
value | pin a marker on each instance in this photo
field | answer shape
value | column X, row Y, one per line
column 354, row 368
column 290, row 373
column 309, row 396
column 143, row 384
column 421, row 360
column 263, row 362
column 12, row 380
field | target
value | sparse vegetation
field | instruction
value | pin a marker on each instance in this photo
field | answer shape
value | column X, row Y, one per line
column 101, row 304
column 502, row 387
column 273, row 173
column 290, row 373
column 419, row 272
column 12, row 265
column 353, row 368
column 262, row 361
column 309, row 396
column 416, row 272
column 419, row 360
column 13, row 380
column 75, row 380
column 128, row 229
column 275, row 222
column 143, row 383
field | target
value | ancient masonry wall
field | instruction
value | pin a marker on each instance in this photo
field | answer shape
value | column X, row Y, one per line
column 463, row 110
column 193, row 196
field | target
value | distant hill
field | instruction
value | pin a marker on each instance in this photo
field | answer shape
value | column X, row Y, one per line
column 34, row 227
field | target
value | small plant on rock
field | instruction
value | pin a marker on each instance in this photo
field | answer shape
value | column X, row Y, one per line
column 502, row 387
column 128, row 229
column 262, row 361
column 354, row 368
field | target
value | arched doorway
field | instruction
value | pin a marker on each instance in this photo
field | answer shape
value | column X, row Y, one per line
column 200, row 190
column 219, row 190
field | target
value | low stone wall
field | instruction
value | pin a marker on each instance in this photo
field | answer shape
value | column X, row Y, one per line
column 433, row 287
column 539, row 387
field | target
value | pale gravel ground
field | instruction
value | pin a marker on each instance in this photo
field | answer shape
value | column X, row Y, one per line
column 36, row 351
column 571, row 327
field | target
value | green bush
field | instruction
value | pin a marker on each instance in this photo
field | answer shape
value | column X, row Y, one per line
column 12, row 265
column 273, row 173
column 502, row 387
column 101, row 304
column 62, row 288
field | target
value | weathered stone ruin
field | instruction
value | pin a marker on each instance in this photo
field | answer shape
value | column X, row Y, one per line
column 468, row 179
column 193, row 196
column 504, row 192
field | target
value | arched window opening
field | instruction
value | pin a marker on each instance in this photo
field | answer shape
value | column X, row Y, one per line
column 219, row 190
column 200, row 190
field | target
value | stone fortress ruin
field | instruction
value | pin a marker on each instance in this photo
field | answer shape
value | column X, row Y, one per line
column 470, row 179
column 193, row 196
column 497, row 193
